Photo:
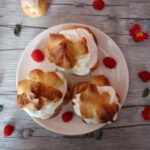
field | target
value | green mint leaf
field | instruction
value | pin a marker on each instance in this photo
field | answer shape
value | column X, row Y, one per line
column 146, row 92
column 17, row 29
column 1, row 108
column 99, row 135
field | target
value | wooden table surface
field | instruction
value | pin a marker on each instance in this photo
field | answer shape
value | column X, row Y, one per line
column 130, row 131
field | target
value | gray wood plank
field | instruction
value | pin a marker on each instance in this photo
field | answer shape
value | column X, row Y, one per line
column 139, row 10
column 108, row 2
column 115, row 9
column 27, row 34
column 121, row 138
column 64, row 9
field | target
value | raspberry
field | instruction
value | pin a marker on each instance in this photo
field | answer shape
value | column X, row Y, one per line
column 8, row 130
column 67, row 116
column 109, row 62
column 144, row 76
column 146, row 113
column 37, row 55
column 98, row 4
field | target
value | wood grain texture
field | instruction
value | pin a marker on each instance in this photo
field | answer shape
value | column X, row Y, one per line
column 123, row 138
column 130, row 131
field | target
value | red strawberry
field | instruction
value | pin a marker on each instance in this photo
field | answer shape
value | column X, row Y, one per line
column 144, row 76
column 109, row 62
column 67, row 116
column 98, row 4
column 37, row 55
column 8, row 130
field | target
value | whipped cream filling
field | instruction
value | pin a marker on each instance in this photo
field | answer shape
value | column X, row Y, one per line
column 101, row 89
column 86, row 62
column 48, row 109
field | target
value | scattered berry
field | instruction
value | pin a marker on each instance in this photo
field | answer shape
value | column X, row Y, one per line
column 8, row 130
column 37, row 55
column 144, row 76
column 67, row 116
column 109, row 62
column 98, row 4
column 146, row 113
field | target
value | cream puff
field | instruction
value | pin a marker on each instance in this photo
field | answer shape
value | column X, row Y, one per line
column 34, row 8
column 74, row 50
column 95, row 101
column 42, row 94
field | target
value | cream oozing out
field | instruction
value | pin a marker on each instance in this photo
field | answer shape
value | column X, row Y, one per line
column 49, row 109
column 86, row 62
column 113, row 99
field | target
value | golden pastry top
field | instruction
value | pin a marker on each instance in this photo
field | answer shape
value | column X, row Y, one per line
column 40, row 88
column 93, row 103
column 63, row 52
column 98, row 80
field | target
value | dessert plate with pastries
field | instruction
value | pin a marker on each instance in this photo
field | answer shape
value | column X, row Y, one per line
column 72, row 79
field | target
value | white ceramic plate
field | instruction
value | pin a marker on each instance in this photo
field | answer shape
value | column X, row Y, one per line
column 119, row 77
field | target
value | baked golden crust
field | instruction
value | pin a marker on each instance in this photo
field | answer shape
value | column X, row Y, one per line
column 37, row 94
column 50, row 79
column 80, row 87
column 94, row 104
column 66, row 100
column 80, row 48
column 40, row 6
column 64, row 53
column 39, row 89
column 99, row 80
column 58, row 51
column 68, row 96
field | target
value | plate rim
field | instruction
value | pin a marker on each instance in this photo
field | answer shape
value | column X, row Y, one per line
column 84, row 25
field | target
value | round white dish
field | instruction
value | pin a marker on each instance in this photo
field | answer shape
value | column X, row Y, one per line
column 119, row 77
